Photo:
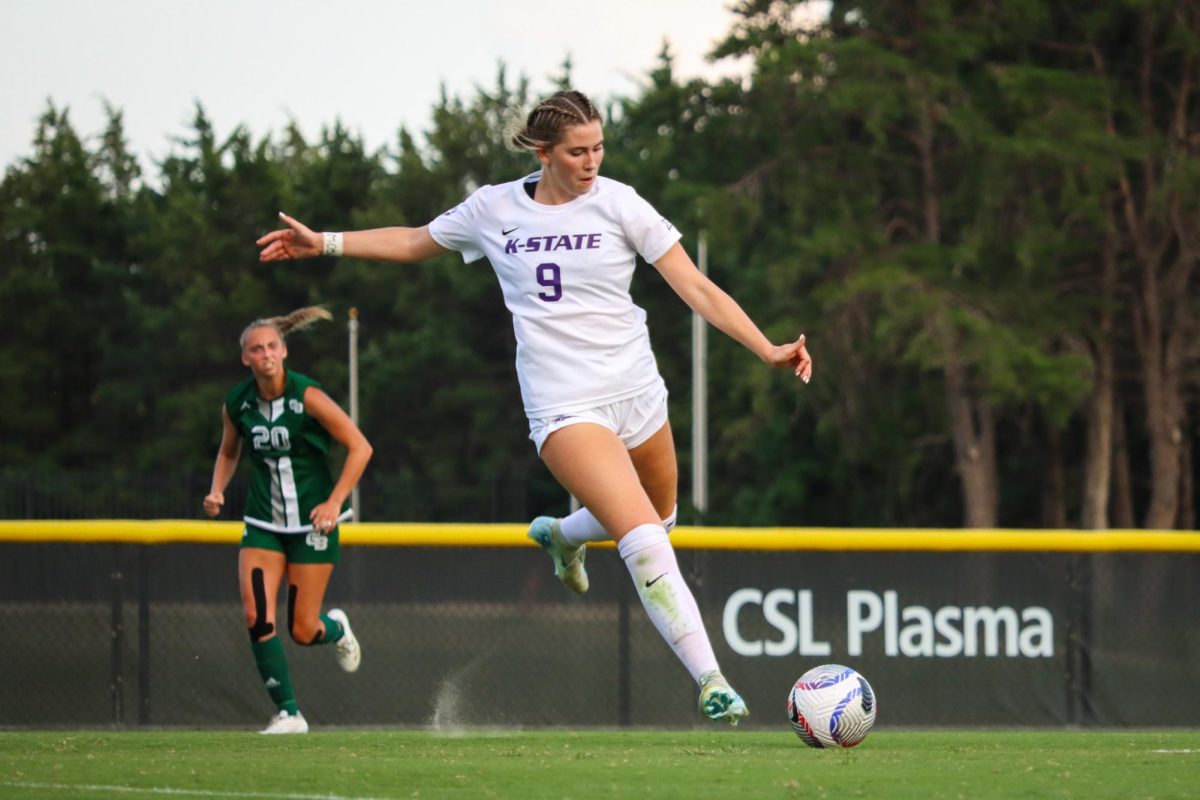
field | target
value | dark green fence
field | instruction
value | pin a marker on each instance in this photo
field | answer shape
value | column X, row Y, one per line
column 130, row 635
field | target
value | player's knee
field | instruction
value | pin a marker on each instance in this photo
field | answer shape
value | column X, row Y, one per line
column 305, row 630
column 250, row 612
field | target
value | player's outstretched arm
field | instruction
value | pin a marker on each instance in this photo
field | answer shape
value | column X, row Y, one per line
column 723, row 312
column 297, row 240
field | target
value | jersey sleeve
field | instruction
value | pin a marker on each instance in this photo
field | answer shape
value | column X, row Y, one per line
column 458, row 228
column 649, row 232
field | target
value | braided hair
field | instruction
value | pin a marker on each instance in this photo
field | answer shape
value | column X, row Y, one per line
column 297, row 320
column 544, row 126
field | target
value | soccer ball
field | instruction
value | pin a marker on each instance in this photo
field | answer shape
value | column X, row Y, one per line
column 831, row 706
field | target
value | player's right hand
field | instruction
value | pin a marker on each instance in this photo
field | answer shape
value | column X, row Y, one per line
column 294, row 241
column 213, row 503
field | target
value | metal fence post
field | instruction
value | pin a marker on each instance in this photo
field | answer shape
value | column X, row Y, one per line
column 1080, row 710
column 116, row 631
column 624, row 669
column 143, row 650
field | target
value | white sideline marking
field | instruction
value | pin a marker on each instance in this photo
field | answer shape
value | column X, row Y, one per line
column 1186, row 750
column 91, row 787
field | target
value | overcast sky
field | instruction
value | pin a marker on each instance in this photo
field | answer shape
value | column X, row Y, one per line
column 374, row 64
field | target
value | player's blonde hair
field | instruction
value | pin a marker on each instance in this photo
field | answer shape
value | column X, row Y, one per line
column 297, row 320
column 543, row 127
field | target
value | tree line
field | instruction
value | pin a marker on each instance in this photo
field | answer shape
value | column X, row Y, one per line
column 983, row 216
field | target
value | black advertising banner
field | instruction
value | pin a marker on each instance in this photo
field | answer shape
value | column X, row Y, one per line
column 126, row 634
column 944, row 639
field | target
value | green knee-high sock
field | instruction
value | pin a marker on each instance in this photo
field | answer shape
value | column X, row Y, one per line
column 333, row 630
column 273, row 667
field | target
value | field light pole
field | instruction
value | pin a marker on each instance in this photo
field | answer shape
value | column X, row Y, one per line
column 700, row 398
column 355, row 502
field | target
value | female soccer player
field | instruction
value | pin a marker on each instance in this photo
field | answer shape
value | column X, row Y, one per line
column 563, row 243
column 293, row 507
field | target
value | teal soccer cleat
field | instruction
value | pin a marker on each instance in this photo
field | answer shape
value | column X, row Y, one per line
column 719, row 701
column 568, row 561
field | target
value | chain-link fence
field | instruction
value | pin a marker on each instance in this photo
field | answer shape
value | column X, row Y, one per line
column 129, row 635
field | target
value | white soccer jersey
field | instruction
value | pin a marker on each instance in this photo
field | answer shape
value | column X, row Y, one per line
column 565, row 271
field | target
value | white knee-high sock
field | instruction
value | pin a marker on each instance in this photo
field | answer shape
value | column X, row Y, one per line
column 582, row 527
column 669, row 603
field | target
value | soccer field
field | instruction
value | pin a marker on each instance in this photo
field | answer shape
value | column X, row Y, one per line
column 355, row 765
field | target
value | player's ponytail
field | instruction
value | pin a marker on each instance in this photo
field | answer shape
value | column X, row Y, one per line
column 297, row 320
column 543, row 127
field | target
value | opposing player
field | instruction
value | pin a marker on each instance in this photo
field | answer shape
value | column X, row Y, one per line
column 293, row 507
column 563, row 243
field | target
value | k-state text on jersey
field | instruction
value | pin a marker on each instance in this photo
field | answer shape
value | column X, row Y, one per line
column 547, row 244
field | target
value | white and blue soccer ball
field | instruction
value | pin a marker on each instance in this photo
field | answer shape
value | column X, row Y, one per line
column 832, row 706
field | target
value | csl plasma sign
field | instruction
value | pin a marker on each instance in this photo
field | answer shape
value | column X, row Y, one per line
column 878, row 622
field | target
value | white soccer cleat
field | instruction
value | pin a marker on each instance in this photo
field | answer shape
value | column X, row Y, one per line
column 349, row 654
column 568, row 560
column 719, row 701
column 283, row 722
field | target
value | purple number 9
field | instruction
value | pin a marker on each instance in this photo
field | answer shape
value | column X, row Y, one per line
column 550, row 276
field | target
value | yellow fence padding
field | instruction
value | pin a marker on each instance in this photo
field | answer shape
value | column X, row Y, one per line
column 417, row 534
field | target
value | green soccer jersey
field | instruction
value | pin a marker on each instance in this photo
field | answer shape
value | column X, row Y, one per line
column 288, row 450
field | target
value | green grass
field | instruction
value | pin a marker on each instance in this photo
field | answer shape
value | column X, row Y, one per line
column 608, row 764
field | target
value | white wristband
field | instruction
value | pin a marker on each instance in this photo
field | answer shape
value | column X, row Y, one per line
column 333, row 244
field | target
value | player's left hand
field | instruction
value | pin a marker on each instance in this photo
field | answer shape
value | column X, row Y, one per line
column 324, row 516
column 793, row 356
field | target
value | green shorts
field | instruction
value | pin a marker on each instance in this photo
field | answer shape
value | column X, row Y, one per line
column 300, row 548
